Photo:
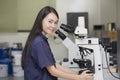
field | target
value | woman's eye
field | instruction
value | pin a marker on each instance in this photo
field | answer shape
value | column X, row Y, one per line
column 50, row 21
column 56, row 22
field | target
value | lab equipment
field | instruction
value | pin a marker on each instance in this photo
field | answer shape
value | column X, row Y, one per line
column 84, row 53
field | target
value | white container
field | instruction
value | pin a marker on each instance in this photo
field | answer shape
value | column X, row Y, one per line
column 18, row 71
column 17, row 59
column 3, row 70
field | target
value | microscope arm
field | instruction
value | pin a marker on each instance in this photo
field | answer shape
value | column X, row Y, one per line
column 73, row 48
column 67, row 42
column 70, row 45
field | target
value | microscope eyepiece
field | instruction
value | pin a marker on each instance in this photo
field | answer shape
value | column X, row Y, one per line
column 60, row 34
column 67, row 28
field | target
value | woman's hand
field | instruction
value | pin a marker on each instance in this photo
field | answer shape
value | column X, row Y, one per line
column 85, row 75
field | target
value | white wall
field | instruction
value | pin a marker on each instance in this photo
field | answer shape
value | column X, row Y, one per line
column 108, row 11
column 90, row 6
column 99, row 11
column 59, row 50
column 13, row 38
column 118, row 13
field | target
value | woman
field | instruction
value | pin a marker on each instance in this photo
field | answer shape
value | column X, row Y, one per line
column 37, row 59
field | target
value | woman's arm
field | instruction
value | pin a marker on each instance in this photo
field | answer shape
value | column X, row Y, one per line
column 65, row 69
column 70, row 76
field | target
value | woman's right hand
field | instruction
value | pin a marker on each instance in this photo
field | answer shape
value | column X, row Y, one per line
column 85, row 75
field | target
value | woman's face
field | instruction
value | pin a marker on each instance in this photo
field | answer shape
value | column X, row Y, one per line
column 49, row 24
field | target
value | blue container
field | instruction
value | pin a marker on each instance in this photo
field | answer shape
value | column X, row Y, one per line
column 9, row 63
column 4, row 53
column 16, row 49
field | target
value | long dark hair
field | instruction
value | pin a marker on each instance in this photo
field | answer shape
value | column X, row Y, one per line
column 37, row 29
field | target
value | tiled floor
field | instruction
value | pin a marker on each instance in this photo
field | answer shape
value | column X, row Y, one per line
column 12, row 78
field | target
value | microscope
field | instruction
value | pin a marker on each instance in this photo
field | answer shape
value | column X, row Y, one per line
column 84, row 53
